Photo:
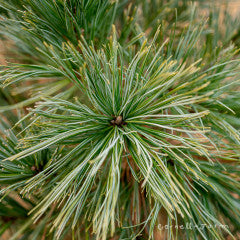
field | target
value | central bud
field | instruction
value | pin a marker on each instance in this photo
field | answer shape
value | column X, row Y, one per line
column 118, row 121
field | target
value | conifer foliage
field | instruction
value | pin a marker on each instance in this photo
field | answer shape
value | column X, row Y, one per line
column 119, row 120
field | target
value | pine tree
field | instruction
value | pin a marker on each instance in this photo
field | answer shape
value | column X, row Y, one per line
column 119, row 120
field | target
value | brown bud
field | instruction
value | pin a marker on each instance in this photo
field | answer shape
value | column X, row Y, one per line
column 119, row 120
column 33, row 168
